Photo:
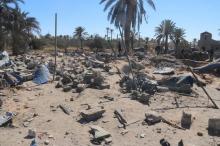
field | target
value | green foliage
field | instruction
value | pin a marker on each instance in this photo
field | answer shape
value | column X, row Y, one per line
column 127, row 14
column 97, row 43
column 16, row 26
column 38, row 44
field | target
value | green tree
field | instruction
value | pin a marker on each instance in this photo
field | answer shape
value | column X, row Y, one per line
column 6, row 8
column 164, row 31
column 80, row 34
column 127, row 14
column 177, row 36
column 23, row 28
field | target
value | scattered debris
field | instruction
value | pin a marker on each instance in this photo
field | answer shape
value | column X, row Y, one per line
column 199, row 133
column 33, row 143
column 99, row 134
column 32, row 133
column 214, row 127
column 164, row 71
column 121, row 118
column 46, row 142
column 92, row 114
column 6, row 120
column 181, row 143
column 163, row 142
column 152, row 119
column 186, row 120
column 142, row 135
column 65, row 109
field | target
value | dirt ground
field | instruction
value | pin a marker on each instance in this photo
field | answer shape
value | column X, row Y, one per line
column 60, row 129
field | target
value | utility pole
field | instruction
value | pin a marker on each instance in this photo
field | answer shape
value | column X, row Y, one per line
column 55, row 66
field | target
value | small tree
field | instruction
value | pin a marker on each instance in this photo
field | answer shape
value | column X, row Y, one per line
column 177, row 36
column 164, row 32
column 80, row 34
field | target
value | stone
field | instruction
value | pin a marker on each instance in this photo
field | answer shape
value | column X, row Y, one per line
column 214, row 127
column 186, row 120
column 32, row 133
column 66, row 80
column 67, row 88
column 99, row 133
column 142, row 135
column 51, row 136
column 71, row 99
column 80, row 88
column 124, row 132
column 65, row 109
column 59, row 85
column 108, row 140
column 92, row 115
column 152, row 119
column 200, row 134
column 46, row 142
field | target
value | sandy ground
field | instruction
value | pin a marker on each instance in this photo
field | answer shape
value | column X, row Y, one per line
column 65, row 130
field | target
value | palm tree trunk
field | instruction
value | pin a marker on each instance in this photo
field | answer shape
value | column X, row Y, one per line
column 81, row 44
column 166, row 44
column 127, row 38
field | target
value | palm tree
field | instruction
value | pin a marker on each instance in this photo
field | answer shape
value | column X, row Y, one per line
column 23, row 27
column 111, row 31
column 107, row 30
column 80, row 33
column 6, row 7
column 165, row 31
column 177, row 36
column 127, row 14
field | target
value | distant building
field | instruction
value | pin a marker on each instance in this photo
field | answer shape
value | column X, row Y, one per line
column 206, row 43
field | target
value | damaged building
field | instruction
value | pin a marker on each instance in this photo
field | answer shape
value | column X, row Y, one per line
column 206, row 43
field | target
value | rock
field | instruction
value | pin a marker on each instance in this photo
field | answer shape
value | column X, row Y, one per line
column 152, row 119
column 6, row 120
column 200, row 134
column 67, row 88
column 144, row 98
column 214, row 127
column 99, row 133
column 186, row 120
column 142, row 135
column 32, row 133
column 108, row 140
column 71, row 99
column 124, row 132
column 46, row 142
column 66, row 80
column 163, row 142
column 92, row 115
column 80, row 88
column 65, row 109
column 51, row 136
column 181, row 143
column 59, row 85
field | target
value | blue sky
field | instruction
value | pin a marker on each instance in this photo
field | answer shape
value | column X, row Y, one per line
column 195, row 16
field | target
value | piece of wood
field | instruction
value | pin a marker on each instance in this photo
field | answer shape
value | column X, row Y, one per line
column 171, row 124
column 121, row 119
column 203, row 88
